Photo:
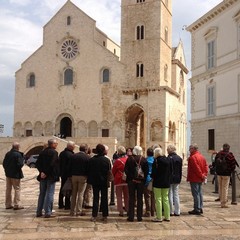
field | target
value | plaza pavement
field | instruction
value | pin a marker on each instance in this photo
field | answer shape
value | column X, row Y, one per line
column 215, row 223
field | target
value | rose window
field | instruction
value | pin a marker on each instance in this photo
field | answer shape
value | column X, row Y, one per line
column 69, row 49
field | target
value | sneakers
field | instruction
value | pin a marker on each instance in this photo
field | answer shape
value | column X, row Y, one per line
column 217, row 200
column 156, row 220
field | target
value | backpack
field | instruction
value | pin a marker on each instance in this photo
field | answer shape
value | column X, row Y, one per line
column 139, row 174
column 221, row 164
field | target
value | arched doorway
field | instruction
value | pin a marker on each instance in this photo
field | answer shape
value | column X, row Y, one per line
column 66, row 127
column 135, row 126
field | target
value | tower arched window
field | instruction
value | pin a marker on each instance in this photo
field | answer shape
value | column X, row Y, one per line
column 140, row 32
column 140, row 1
column 105, row 75
column 139, row 70
column 68, row 76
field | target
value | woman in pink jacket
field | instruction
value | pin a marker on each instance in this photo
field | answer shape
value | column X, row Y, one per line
column 197, row 173
column 119, row 180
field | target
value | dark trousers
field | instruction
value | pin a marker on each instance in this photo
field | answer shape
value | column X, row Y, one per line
column 103, row 190
column 134, row 188
column 61, row 199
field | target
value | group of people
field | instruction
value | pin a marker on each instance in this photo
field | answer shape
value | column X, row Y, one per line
column 154, row 178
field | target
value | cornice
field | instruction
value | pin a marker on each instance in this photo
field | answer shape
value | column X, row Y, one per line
column 146, row 90
column 179, row 63
column 221, row 7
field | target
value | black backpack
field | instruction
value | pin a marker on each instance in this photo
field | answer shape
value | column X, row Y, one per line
column 221, row 164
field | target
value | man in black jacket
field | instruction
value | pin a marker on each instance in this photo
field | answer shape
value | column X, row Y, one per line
column 64, row 160
column 12, row 164
column 48, row 167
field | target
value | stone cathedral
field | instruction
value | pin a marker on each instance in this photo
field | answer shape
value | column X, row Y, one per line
column 81, row 84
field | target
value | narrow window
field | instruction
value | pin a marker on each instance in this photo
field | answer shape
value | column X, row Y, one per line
column 32, row 80
column 211, row 139
column 105, row 75
column 166, row 34
column 104, row 43
column 140, row 32
column 68, row 77
column 68, row 20
column 210, row 101
column 238, row 40
column 211, row 54
column 139, row 70
column 166, row 72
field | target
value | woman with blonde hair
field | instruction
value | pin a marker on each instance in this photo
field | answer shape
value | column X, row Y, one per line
column 161, row 184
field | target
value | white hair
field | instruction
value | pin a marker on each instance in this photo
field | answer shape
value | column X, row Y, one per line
column 137, row 150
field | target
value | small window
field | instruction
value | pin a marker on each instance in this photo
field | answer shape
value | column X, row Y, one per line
column 211, row 139
column 68, row 20
column 140, row 1
column 68, row 77
column 140, row 32
column 139, row 70
column 31, row 82
column 105, row 132
column 105, row 75
column 114, row 51
column 104, row 43
column 28, row 133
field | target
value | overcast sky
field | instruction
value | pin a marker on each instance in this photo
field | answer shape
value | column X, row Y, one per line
column 21, row 31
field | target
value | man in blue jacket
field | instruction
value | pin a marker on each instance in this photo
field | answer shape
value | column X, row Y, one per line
column 12, row 164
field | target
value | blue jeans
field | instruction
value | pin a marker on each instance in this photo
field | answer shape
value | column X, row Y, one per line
column 196, row 189
column 45, row 198
column 174, row 199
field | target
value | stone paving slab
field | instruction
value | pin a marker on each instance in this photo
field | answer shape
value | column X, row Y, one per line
column 215, row 223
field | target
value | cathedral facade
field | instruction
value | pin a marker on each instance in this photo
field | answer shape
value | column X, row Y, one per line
column 80, row 83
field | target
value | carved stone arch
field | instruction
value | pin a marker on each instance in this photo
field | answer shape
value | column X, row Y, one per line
column 48, row 128
column 117, row 130
column 64, row 125
column 18, row 129
column 28, row 127
column 82, row 129
column 156, row 131
column 92, row 129
column 38, row 129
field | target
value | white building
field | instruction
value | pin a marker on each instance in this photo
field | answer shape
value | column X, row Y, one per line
column 215, row 82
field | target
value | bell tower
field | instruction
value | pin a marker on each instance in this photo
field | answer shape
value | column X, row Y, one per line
column 146, row 42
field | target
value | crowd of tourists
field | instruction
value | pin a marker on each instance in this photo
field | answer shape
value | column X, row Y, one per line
column 150, row 183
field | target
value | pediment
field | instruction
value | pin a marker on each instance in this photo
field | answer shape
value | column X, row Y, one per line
column 211, row 32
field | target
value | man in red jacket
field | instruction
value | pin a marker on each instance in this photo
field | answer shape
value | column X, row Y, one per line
column 197, row 173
